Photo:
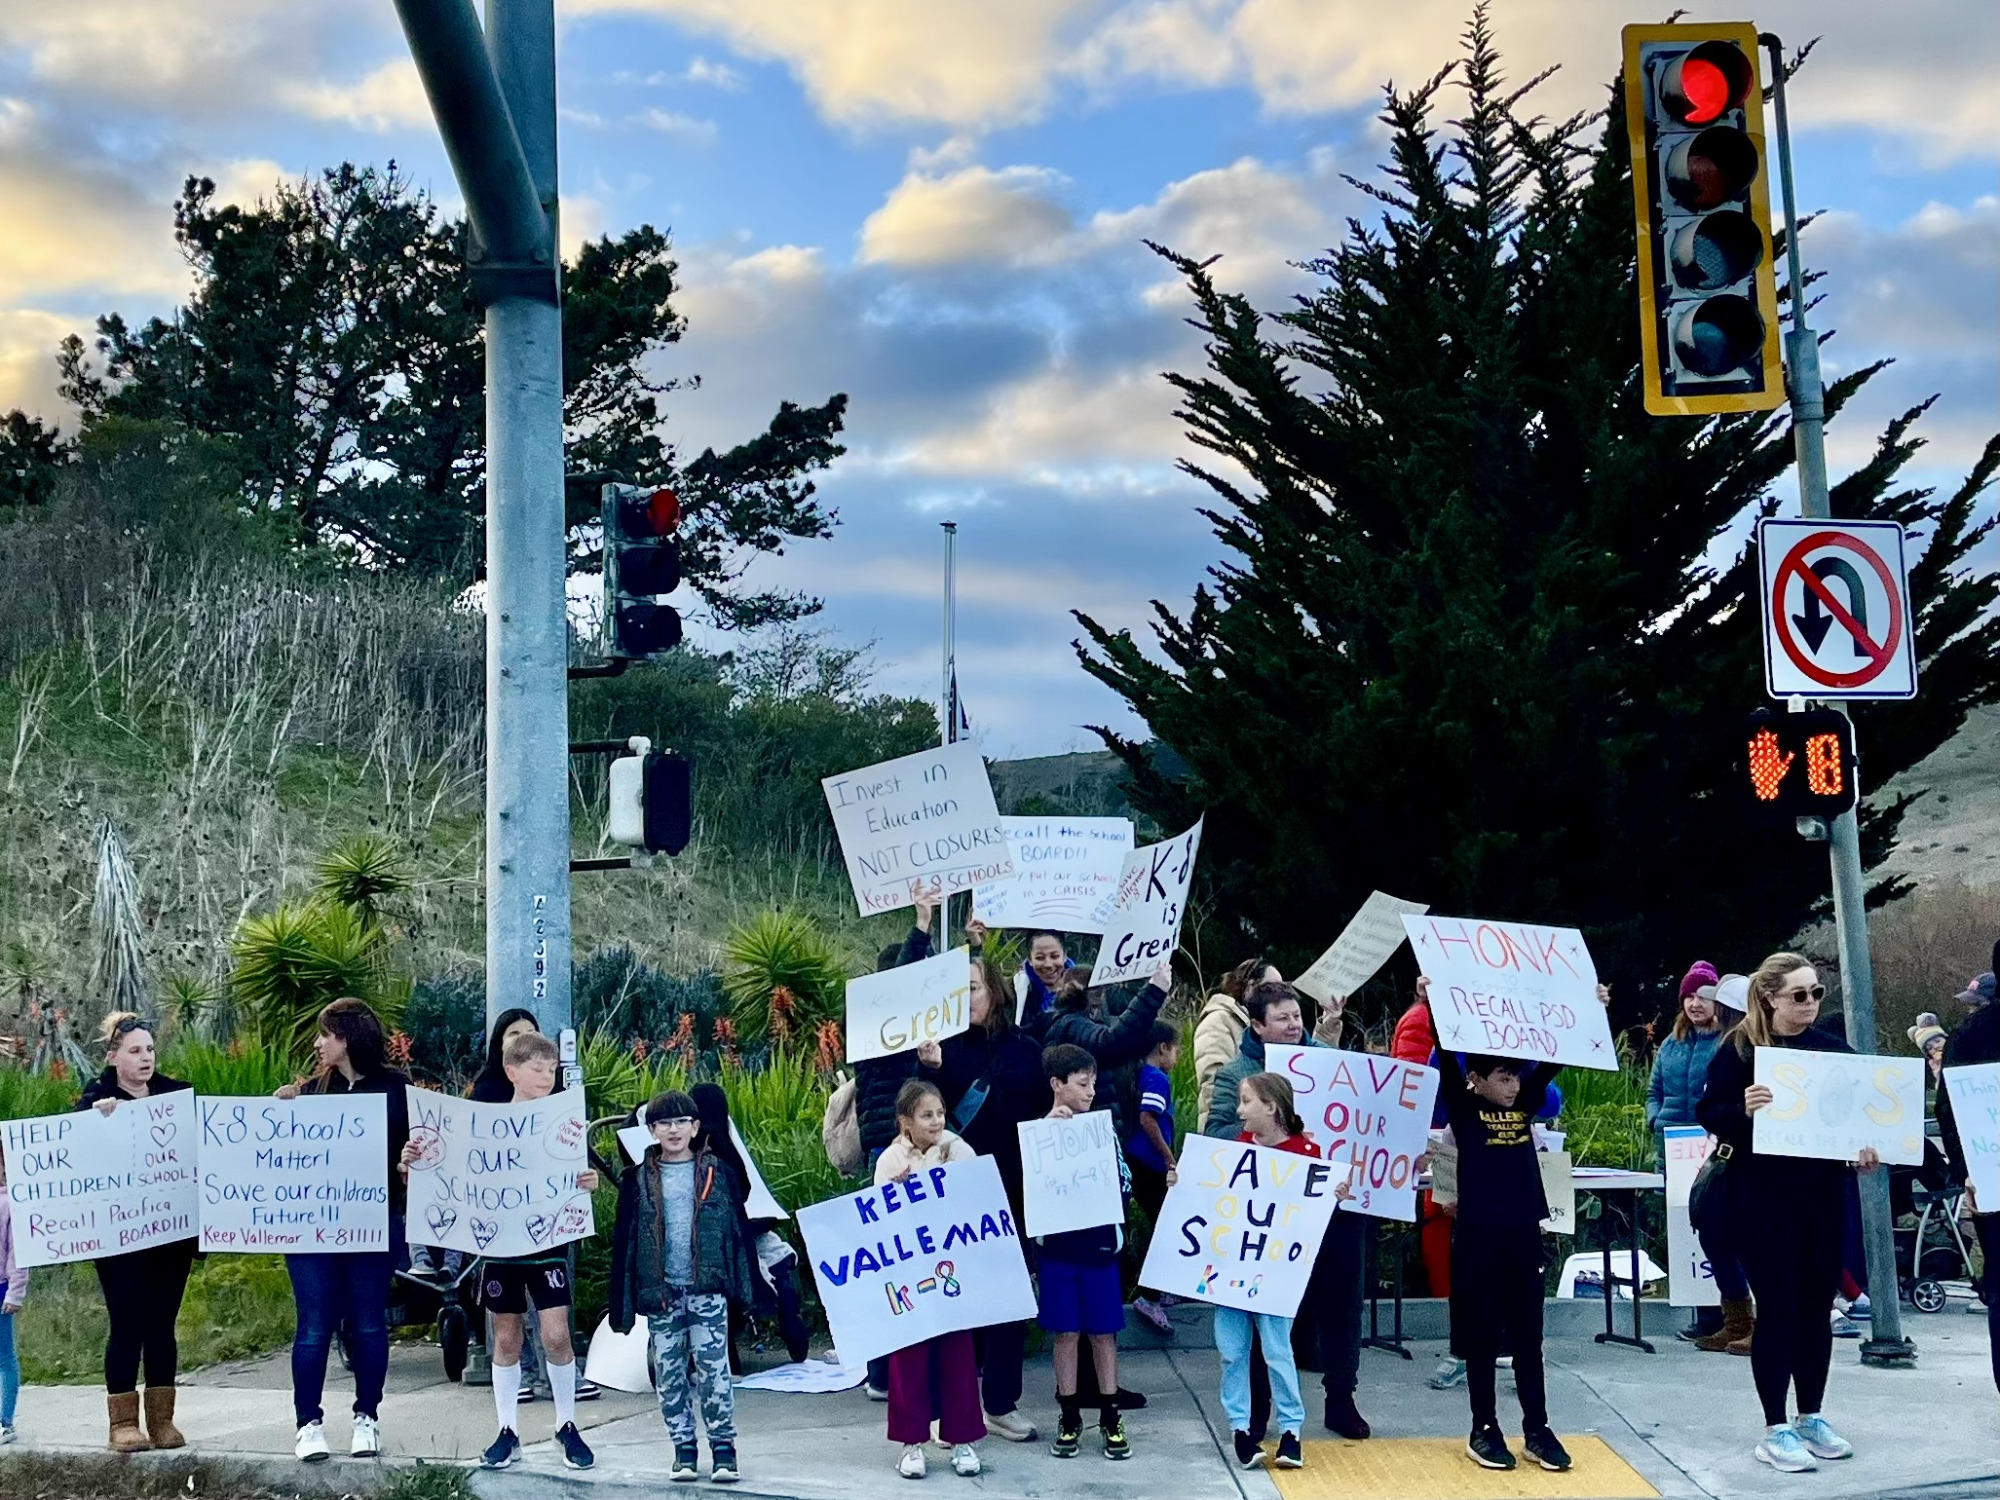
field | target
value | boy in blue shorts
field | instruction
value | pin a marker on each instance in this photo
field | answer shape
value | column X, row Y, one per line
column 1078, row 1274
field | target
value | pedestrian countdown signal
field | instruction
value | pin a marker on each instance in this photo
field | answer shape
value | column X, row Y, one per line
column 1800, row 765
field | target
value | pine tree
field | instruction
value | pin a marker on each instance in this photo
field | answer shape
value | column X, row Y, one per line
column 1470, row 647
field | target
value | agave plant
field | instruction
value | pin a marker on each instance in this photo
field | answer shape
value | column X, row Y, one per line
column 291, row 962
column 192, row 1004
column 780, row 960
column 360, row 873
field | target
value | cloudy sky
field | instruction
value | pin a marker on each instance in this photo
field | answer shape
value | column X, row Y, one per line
column 937, row 207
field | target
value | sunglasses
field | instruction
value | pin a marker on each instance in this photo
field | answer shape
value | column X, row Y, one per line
column 1815, row 994
column 126, row 1028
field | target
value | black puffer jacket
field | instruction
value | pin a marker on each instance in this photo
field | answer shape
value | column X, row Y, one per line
column 638, row 1251
column 1116, row 1044
column 1011, row 1068
column 105, row 1086
column 878, row 1080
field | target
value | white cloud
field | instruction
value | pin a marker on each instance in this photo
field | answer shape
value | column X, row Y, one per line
column 676, row 126
column 390, row 97
column 713, row 75
column 249, row 182
column 974, row 216
column 28, row 340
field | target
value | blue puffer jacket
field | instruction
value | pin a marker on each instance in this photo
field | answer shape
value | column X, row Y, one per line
column 1680, row 1073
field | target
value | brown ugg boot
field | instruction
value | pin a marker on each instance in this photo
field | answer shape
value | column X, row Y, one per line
column 160, row 1418
column 1737, row 1321
column 125, row 1434
column 1742, row 1345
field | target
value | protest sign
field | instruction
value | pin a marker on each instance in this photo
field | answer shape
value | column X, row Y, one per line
column 907, row 1261
column 86, row 1185
column 1373, row 1111
column 306, row 1176
column 759, row 1204
column 1142, row 916
column 1513, row 989
column 1444, row 1169
column 897, row 1009
column 498, row 1179
column 1242, row 1226
column 926, row 817
column 1975, row 1106
column 1069, row 1173
column 1559, row 1189
column 1829, row 1105
column 1690, row 1278
column 1364, row 945
column 1062, row 868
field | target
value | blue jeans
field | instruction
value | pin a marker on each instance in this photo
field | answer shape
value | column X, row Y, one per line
column 10, row 1371
column 1232, row 1342
column 330, row 1290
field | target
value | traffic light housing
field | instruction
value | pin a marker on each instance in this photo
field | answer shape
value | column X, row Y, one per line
column 1708, row 298
column 652, row 802
column 1799, row 765
column 642, row 562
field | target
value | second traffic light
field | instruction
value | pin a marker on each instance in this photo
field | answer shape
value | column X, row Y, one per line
column 642, row 562
column 652, row 801
column 1708, row 302
column 1800, row 765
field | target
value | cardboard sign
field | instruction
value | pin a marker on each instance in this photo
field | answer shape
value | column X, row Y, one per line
column 1513, row 989
column 898, row 1009
column 759, row 1204
column 305, row 1176
column 1828, row 1105
column 1444, row 1169
column 1975, row 1106
column 907, row 1261
column 1063, row 867
column 926, row 817
column 1373, row 1111
column 86, row 1185
column 1142, row 917
column 1363, row 946
column 498, row 1179
column 1559, row 1188
column 1242, row 1226
column 1069, row 1174
column 1690, row 1278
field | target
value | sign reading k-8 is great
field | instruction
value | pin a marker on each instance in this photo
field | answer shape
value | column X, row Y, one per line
column 1836, row 607
column 927, row 817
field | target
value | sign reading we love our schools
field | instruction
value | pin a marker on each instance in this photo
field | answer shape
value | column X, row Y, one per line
column 497, row 1179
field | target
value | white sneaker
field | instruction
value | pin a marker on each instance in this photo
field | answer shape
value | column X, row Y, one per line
column 367, row 1437
column 1820, row 1439
column 311, row 1447
column 912, row 1466
column 8, row 1434
column 1449, row 1373
column 965, row 1460
column 1012, row 1426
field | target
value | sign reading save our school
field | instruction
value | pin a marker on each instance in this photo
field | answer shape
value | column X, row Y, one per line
column 306, row 1176
column 1372, row 1111
column 1513, row 989
column 927, row 817
column 1829, row 1105
column 1836, row 606
column 897, row 1009
column 497, row 1179
column 86, row 1185
column 907, row 1261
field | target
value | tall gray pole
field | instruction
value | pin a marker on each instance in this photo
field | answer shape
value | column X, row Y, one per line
column 1885, row 1344
column 949, row 715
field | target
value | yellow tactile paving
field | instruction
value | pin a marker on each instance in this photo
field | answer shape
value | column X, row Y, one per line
column 1437, row 1469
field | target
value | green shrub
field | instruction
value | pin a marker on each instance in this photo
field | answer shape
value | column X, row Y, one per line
column 24, row 1094
column 236, row 1305
column 360, row 872
column 614, row 992
column 212, row 1068
column 292, row 962
column 445, row 1020
column 783, row 977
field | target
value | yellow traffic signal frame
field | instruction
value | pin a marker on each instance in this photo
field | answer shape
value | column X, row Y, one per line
column 1658, row 402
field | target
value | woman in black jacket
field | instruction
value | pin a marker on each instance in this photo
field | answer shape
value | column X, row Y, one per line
column 142, row 1288
column 1787, row 1212
column 492, row 1085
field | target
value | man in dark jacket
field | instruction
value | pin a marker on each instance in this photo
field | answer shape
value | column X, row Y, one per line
column 1977, row 1040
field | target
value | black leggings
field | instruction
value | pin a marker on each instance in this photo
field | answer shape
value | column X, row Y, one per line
column 1496, row 1297
column 142, row 1297
column 1792, row 1255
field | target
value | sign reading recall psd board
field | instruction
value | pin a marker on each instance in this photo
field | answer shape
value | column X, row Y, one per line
column 497, row 1179
column 1513, row 989
column 86, row 1185
column 927, row 817
column 306, row 1176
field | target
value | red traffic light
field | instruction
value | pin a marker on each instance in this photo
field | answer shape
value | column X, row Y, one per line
column 663, row 509
column 1705, row 84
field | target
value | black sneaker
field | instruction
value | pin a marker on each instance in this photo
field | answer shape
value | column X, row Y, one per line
column 575, row 1451
column 1487, row 1447
column 1540, row 1444
column 687, row 1463
column 1116, row 1444
column 1290, row 1456
column 1343, row 1419
column 1249, row 1452
column 503, row 1451
column 722, row 1465
column 588, row 1390
column 1069, row 1437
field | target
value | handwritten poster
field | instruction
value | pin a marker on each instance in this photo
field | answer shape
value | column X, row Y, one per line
column 760, row 1202
column 1690, row 1278
column 1069, row 1173
column 897, row 1009
column 1063, row 867
column 498, row 1179
column 1828, row 1105
column 1513, row 989
column 86, row 1185
column 1142, row 916
column 1372, row 1111
column 928, row 816
column 1975, row 1105
column 306, row 1176
column 1559, row 1190
column 907, row 1261
column 1363, row 946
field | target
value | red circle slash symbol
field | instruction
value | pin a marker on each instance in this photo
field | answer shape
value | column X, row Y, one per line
column 1879, row 654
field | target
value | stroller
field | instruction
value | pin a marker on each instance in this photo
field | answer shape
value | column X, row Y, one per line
column 1933, row 1252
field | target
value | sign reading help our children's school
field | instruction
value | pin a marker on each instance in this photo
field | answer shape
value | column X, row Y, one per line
column 1513, row 989
column 306, row 1176
column 1975, row 1106
column 1363, row 946
column 1069, row 1173
column 86, row 1185
column 926, row 817
column 1690, row 1277
column 1829, row 1105
column 1242, row 1226
column 907, row 1261
column 497, row 1179
column 1062, row 868
column 1372, row 1111
column 1142, row 916
column 901, row 1008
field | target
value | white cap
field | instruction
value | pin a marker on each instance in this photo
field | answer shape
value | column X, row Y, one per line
column 1733, row 991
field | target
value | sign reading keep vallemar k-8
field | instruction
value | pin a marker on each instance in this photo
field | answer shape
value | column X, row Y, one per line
column 928, row 817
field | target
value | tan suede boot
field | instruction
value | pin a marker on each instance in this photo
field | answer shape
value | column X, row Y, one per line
column 125, row 1434
column 1742, row 1345
column 1737, row 1321
column 160, row 1418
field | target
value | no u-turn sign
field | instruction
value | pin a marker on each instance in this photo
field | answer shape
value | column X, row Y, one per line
column 1836, row 604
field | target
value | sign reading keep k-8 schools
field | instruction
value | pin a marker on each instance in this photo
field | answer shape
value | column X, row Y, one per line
column 85, row 1184
column 897, row 1009
column 497, row 1179
column 1513, row 989
column 1142, row 916
column 926, row 817
column 1372, row 1111
column 305, row 1176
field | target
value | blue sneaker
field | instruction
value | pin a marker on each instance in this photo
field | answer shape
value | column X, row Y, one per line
column 503, row 1451
column 1784, row 1450
column 1820, row 1439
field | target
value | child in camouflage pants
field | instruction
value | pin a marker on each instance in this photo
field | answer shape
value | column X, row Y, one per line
column 680, row 1255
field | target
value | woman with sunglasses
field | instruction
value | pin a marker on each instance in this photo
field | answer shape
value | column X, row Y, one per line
column 1786, row 1213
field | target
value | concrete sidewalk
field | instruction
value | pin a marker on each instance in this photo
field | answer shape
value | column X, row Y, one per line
column 1675, row 1423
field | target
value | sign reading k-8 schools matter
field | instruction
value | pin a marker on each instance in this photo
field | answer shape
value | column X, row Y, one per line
column 1069, row 1173
column 1372, row 1111
column 85, row 1185
column 305, row 1176
column 896, row 1009
column 1513, row 989
column 497, row 1179
column 1829, row 1105
column 1975, row 1108
column 1364, row 945
column 927, row 817
column 907, row 1261
column 1063, row 867
column 1142, row 916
